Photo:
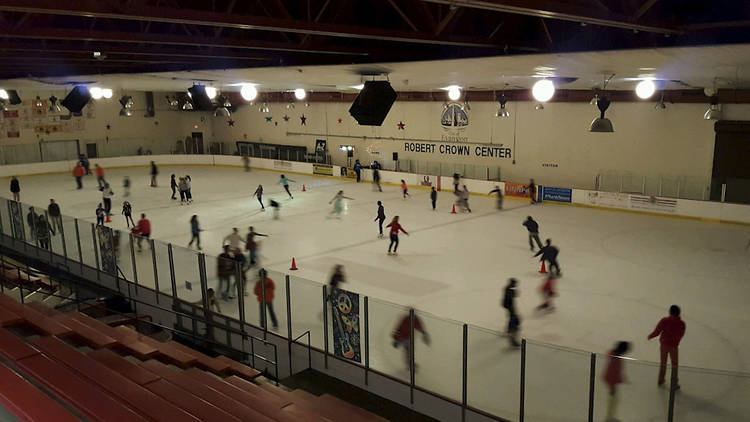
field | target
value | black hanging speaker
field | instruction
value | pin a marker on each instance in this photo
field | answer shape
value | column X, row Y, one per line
column 373, row 103
column 76, row 99
column 199, row 98
column 395, row 156
column 13, row 97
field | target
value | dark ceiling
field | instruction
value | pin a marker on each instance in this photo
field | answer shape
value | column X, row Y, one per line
column 58, row 37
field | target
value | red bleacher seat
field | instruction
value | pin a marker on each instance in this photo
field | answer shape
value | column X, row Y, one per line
column 34, row 318
column 166, row 350
column 90, row 336
column 13, row 347
column 147, row 403
column 195, row 405
column 125, row 367
column 239, row 369
column 214, row 365
column 126, row 339
column 8, row 318
column 27, row 403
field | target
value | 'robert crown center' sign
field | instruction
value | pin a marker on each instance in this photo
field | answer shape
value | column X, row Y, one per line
column 463, row 150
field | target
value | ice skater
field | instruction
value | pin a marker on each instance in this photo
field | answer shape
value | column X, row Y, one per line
column 189, row 192
column 259, row 194
column 395, row 228
column 264, row 289
column 31, row 222
column 44, row 232
column 99, row 175
column 613, row 376
column 358, row 170
column 499, row 193
column 252, row 246
column 533, row 227
column 100, row 213
column 84, row 162
column 532, row 191
column 246, row 162
column 509, row 303
column 276, row 208
column 285, row 182
column 78, row 173
column 142, row 230
column 127, row 211
column 195, row 231
column 547, row 291
column 154, row 173
column 224, row 270
column 336, row 279
column 15, row 188
column 380, row 218
column 173, row 184
column 549, row 254
column 376, row 177
column 456, row 182
column 107, row 195
column 404, row 189
column 433, row 198
column 234, row 240
column 464, row 199
column 337, row 202
column 402, row 336
column 670, row 330
column 126, row 186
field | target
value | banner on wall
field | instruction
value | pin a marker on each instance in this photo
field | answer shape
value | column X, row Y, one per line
column 557, row 194
column 345, row 314
column 105, row 238
column 516, row 189
column 324, row 169
column 652, row 203
column 498, row 151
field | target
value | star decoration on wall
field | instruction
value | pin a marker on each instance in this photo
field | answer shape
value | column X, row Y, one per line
column 275, row 123
column 230, row 122
column 401, row 125
column 303, row 120
column 268, row 119
column 109, row 126
column 244, row 135
column 286, row 118
column 340, row 120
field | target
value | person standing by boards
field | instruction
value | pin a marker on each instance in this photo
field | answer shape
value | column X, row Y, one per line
column 532, row 191
column 154, row 173
column 15, row 188
column 99, row 175
column 670, row 331
column 358, row 170
column 613, row 376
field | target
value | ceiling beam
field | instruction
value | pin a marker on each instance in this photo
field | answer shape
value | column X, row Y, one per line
column 440, row 27
column 317, row 18
column 170, row 39
column 98, row 9
column 547, row 34
column 403, row 15
column 645, row 7
column 716, row 25
column 559, row 11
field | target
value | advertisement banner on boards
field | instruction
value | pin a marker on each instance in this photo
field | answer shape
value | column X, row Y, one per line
column 652, row 203
column 345, row 318
column 517, row 190
column 323, row 169
column 282, row 165
column 609, row 199
column 557, row 194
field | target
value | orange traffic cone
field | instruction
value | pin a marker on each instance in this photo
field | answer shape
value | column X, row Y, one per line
column 108, row 220
column 454, row 209
column 294, row 265
column 543, row 270
column 303, row 188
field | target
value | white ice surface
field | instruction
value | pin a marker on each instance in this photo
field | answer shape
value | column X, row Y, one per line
column 621, row 272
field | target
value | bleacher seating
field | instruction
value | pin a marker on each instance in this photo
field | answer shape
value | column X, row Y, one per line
column 117, row 374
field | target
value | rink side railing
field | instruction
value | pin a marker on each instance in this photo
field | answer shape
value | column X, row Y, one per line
column 463, row 372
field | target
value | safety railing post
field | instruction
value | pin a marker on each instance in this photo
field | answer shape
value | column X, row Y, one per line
column 465, row 374
column 325, row 325
column 523, row 381
column 412, row 362
column 263, row 313
column 367, row 340
column 592, row 377
column 96, row 252
column 672, row 388
column 289, row 322
column 132, row 261
column 156, row 272
column 78, row 243
column 172, row 278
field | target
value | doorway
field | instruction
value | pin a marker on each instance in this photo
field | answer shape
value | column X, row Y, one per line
column 731, row 174
column 91, row 151
column 197, row 142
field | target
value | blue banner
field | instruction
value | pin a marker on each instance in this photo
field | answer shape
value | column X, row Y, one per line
column 557, row 194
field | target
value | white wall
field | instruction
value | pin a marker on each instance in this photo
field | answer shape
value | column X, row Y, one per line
column 648, row 142
column 123, row 136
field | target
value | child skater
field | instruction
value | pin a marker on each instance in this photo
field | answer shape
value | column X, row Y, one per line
column 100, row 213
column 259, row 194
column 276, row 208
column 338, row 203
column 547, row 290
column 173, row 185
column 404, row 189
column 285, row 182
column 380, row 218
column 613, row 376
column 126, row 186
column 395, row 228
column 499, row 193
column 127, row 211
column 433, row 197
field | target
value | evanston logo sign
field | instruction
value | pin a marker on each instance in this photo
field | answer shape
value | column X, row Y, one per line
column 454, row 121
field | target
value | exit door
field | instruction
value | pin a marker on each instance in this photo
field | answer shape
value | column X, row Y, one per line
column 197, row 142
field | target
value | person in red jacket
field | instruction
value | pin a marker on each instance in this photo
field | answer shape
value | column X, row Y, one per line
column 395, row 227
column 143, row 229
column 670, row 331
column 78, row 173
column 99, row 175
column 613, row 376
column 266, row 289
column 402, row 336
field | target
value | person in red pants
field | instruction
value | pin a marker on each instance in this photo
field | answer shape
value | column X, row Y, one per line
column 670, row 330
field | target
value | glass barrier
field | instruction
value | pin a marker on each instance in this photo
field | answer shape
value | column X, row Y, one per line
column 187, row 276
column 669, row 186
column 557, row 383
column 386, row 355
column 438, row 354
column 307, row 309
column 29, row 215
column 638, row 398
column 275, row 308
column 6, row 227
column 126, row 251
column 88, row 247
column 712, row 396
column 492, row 361
column 70, row 237
column 56, row 231
column 161, row 250
column 144, row 264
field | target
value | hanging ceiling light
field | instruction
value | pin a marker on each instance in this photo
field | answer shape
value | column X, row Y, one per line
column 595, row 98
column 187, row 106
column 4, row 94
column 54, row 107
column 3, row 105
column 223, row 109
column 264, row 108
column 661, row 105
column 96, row 92
column 714, row 110
column 539, row 106
column 645, row 89
column 210, row 92
column 543, row 90
column 502, row 111
column 300, row 94
column 127, row 106
column 454, row 92
column 172, row 101
column 107, row 93
column 601, row 123
column 290, row 106
column 224, row 101
column 38, row 102
column 249, row 92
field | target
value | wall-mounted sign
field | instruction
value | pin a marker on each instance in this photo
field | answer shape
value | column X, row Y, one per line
column 482, row 151
column 454, row 120
column 323, row 169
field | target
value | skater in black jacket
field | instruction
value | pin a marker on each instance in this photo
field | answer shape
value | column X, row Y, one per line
column 533, row 229
column 549, row 254
column 380, row 218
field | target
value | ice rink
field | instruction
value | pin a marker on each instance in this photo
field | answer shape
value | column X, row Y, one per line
column 621, row 271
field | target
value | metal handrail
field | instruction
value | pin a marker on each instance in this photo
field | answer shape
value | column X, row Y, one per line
column 309, row 349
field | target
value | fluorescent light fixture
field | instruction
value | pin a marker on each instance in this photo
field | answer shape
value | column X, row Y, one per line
column 211, row 92
column 300, row 94
column 645, row 89
column 4, row 94
column 713, row 112
column 107, row 93
column 249, row 92
column 96, row 92
column 454, row 92
column 543, row 90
